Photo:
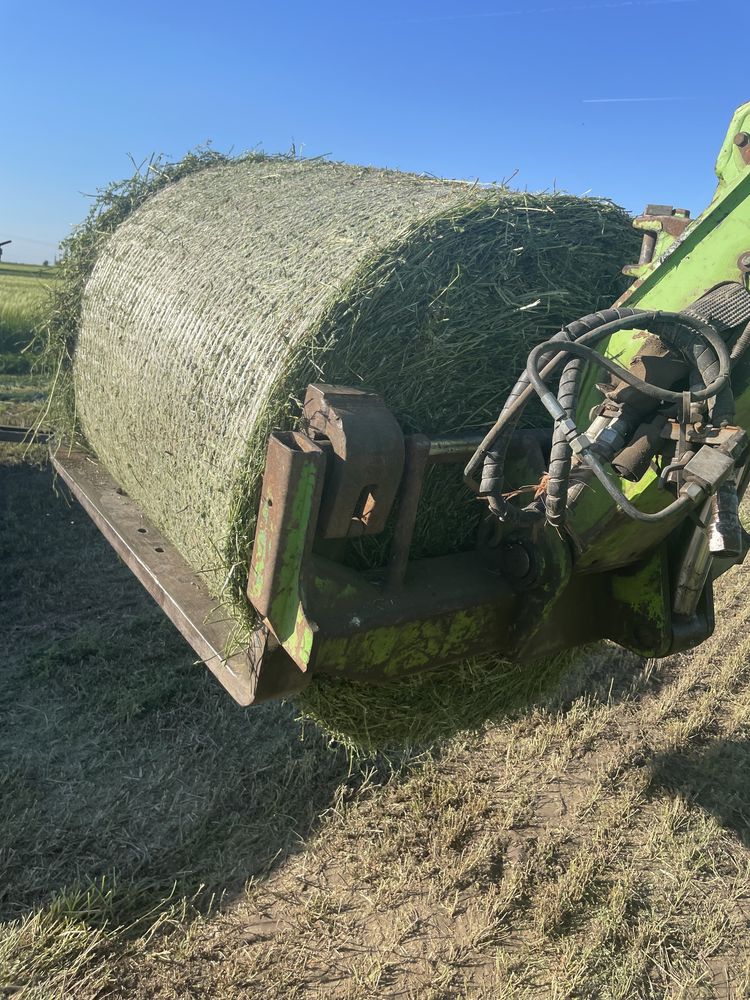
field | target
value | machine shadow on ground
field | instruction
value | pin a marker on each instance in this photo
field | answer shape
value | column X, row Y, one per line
column 120, row 757
column 714, row 775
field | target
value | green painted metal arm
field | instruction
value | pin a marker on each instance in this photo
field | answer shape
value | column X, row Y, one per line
column 708, row 252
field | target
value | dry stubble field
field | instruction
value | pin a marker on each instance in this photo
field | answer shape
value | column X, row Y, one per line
column 157, row 841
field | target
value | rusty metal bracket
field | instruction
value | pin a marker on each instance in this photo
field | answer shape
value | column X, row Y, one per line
column 661, row 225
column 730, row 439
column 364, row 473
column 417, row 458
column 287, row 518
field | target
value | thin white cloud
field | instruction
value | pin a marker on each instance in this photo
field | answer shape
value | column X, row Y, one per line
column 556, row 9
column 630, row 100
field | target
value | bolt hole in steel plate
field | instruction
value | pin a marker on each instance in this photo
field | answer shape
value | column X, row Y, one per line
column 142, row 531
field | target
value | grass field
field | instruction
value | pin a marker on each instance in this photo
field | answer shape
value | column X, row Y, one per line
column 24, row 289
column 157, row 841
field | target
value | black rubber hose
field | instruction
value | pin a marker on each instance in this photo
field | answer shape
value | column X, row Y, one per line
column 493, row 468
column 740, row 344
column 682, row 505
column 722, row 408
column 558, row 475
column 494, row 461
column 494, row 449
column 705, row 367
column 581, row 350
column 713, row 364
column 590, row 328
column 522, row 391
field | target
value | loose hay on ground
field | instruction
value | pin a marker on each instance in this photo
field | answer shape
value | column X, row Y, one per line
column 424, row 709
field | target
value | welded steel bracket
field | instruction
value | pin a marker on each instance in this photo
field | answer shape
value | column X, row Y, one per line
column 366, row 461
column 661, row 225
column 287, row 519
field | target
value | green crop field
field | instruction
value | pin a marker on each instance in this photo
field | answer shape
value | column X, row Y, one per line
column 24, row 289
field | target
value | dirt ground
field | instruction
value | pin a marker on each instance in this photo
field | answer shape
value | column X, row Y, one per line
column 157, row 841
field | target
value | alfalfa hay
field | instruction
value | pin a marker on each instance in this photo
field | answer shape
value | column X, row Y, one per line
column 218, row 299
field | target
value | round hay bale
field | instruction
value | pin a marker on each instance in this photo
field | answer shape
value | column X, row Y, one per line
column 215, row 303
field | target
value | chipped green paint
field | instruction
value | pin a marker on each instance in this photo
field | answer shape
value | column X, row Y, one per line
column 642, row 590
column 262, row 544
column 664, row 241
column 299, row 645
column 595, row 502
column 413, row 645
column 334, row 590
column 286, row 614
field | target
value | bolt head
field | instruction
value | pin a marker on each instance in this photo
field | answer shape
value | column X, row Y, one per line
column 741, row 139
column 515, row 561
column 694, row 491
column 743, row 261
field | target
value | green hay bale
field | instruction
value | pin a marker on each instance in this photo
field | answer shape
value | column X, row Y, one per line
column 213, row 305
column 57, row 333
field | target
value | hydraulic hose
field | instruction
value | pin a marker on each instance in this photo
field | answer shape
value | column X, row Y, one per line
column 560, row 458
column 682, row 505
column 522, row 391
column 713, row 366
column 581, row 350
column 740, row 344
column 493, row 450
column 706, row 367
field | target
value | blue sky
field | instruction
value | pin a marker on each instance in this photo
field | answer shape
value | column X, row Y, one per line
column 624, row 98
